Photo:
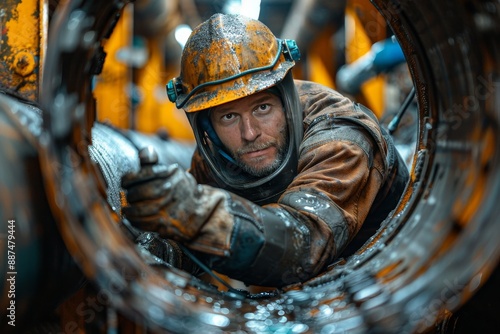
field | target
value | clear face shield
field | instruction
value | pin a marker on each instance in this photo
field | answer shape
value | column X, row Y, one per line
column 226, row 171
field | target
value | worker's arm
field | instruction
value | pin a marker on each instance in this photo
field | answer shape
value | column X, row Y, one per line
column 275, row 245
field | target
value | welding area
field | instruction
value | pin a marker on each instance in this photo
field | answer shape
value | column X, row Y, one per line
column 82, row 89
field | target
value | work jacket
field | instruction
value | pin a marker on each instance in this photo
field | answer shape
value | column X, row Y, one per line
column 349, row 174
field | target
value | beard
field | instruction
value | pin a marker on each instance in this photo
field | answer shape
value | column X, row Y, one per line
column 281, row 143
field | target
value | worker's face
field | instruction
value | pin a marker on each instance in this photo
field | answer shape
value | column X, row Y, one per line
column 254, row 130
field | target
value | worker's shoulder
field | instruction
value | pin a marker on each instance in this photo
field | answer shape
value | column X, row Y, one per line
column 305, row 87
column 319, row 101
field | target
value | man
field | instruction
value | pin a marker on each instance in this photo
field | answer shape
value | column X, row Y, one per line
column 285, row 173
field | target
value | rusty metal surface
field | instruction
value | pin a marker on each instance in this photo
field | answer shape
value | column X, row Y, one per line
column 34, row 257
column 429, row 258
column 21, row 48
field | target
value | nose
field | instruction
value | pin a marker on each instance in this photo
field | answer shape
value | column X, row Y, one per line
column 250, row 128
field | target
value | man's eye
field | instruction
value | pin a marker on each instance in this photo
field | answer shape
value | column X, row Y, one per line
column 227, row 117
column 263, row 107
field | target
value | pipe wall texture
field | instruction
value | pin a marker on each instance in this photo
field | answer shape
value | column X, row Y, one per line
column 424, row 268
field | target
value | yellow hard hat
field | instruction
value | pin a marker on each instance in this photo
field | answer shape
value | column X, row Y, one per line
column 229, row 57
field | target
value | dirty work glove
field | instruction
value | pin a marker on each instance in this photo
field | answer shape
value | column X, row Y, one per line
column 168, row 200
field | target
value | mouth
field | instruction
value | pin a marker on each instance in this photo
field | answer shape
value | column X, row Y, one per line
column 257, row 153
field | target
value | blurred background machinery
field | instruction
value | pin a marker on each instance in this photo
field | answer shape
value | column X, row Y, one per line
column 82, row 89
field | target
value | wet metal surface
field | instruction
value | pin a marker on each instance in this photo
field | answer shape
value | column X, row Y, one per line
column 435, row 251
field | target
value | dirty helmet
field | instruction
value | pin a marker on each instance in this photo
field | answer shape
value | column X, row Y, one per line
column 226, row 58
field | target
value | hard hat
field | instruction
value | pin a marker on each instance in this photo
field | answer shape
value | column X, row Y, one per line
column 229, row 57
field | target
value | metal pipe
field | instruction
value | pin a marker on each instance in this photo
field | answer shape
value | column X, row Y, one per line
column 430, row 256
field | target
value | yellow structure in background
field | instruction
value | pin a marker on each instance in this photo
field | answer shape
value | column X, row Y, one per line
column 364, row 27
column 23, row 27
column 320, row 64
column 155, row 112
column 136, row 98
column 112, row 86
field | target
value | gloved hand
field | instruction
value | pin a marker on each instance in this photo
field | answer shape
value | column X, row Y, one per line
column 167, row 199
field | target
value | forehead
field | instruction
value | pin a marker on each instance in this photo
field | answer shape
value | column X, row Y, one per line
column 248, row 101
